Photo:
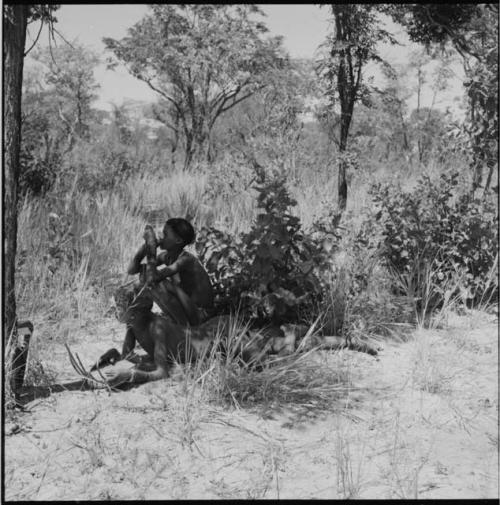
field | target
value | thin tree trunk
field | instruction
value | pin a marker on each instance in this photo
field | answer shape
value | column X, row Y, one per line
column 420, row 81
column 406, row 145
column 342, row 186
column 15, row 22
column 175, row 141
column 189, row 150
column 491, row 166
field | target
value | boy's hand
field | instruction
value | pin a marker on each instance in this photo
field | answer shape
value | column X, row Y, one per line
column 151, row 275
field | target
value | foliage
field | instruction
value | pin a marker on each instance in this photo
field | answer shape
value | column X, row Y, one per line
column 70, row 79
column 427, row 130
column 386, row 130
column 435, row 226
column 433, row 23
column 271, row 272
column 482, row 94
column 472, row 29
column 182, row 53
column 356, row 33
column 269, row 120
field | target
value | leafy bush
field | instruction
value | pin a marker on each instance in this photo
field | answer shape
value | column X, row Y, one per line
column 270, row 273
column 435, row 227
column 358, row 300
column 36, row 176
column 40, row 156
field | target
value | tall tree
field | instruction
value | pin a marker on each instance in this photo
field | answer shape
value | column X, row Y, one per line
column 15, row 22
column 67, row 92
column 356, row 33
column 394, row 98
column 202, row 59
column 71, row 85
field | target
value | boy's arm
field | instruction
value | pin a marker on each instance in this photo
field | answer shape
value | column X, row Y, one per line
column 134, row 266
column 169, row 270
column 187, row 304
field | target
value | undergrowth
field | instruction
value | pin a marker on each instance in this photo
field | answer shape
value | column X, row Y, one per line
column 272, row 273
column 303, row 379
column 437, row 234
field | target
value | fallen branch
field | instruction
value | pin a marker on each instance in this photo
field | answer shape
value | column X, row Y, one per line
column 352, row 344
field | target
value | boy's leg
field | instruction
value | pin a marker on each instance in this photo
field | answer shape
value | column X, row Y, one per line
column 128, row 343
column 164, row 296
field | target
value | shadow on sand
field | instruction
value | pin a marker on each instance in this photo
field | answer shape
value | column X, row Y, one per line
column 27, row 394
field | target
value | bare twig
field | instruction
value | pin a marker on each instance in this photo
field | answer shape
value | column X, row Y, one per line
column 36, row 38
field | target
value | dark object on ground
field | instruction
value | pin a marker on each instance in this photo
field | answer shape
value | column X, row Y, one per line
column 108, row 358
column 24, row 330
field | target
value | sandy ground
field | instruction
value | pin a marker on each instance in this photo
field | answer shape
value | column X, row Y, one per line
column 421, row 420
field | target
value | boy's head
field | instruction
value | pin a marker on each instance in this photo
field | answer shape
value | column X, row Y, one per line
column 177, row 232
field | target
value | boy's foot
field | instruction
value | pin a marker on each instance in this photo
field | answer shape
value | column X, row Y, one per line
column 150, row 240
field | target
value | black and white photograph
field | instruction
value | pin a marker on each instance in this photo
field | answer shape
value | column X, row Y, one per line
column 250, row 251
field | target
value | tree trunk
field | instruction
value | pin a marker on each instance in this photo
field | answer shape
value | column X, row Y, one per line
column 345, row 123
column 175, row 141
column 342, row 186
column 15, row 22
column 189, row 154
column 477, row 176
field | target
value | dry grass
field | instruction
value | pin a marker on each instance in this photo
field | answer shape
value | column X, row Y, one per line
column 298, row 380
column 8, row 373
column 349, row 464
column 303, row 379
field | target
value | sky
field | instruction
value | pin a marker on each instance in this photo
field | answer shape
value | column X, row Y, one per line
column 303, row 26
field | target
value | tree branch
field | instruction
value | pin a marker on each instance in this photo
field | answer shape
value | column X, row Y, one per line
column 162, row 93
column 168, row 98
column 250, row 93
column 36, row 39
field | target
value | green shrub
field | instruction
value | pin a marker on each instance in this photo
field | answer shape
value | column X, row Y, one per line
column 437, row 229
column 358, row 300
column 35, row 176
column 272, row 272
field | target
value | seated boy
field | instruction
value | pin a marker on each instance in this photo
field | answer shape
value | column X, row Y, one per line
column 182, row 288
